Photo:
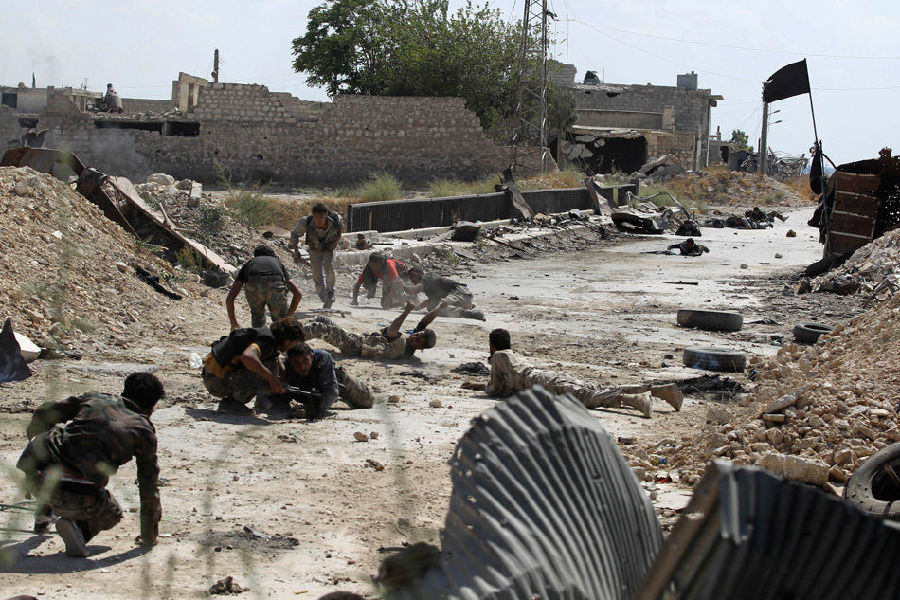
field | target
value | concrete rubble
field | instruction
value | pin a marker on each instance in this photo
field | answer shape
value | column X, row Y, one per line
column 872, row 269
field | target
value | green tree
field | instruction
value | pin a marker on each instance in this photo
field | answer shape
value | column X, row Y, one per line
column 415, row 48
column 739, row 139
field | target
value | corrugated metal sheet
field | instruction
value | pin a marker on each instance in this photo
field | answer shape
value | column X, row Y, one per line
column 543, row 506
column 750, row 535
column 398, row 215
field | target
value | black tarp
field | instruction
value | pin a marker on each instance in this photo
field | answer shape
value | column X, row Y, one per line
column 12, row 363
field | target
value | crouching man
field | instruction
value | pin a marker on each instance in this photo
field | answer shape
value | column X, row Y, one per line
column 510, row 373
column 77, row 444
column 313, row 372
column 244, row 364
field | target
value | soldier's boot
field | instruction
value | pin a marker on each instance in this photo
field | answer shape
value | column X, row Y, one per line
column 641, row 402
column 72, row 536
column 670, row 393
column 230, row 405
column 41, row 524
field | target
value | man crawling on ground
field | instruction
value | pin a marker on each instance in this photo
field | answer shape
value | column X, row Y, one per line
column 390, row 343
column 313, row 373
column 510, row 373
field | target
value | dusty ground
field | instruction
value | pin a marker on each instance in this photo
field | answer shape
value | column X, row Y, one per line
column 316, row 510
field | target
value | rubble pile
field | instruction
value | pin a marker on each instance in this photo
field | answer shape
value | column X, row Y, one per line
column 873, row 267
column 68, row 272
column 818, row 412
column 724, row 188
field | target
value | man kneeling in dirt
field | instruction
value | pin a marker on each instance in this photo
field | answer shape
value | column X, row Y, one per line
column 76, row 445
column 313, row 372
column 435, row 288
column 390, row 343
column 510, row 373
column 244, row 363
column 391, row 272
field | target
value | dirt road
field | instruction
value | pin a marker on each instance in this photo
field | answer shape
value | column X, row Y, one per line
column 295, row 510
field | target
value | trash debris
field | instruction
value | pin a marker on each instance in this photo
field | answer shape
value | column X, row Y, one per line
column 808, row 333
column 875, row 486
column 153, row 281
column 715, row 359
column 12, row 363
column 472, row 368
column 227, row 586
column 709, row 320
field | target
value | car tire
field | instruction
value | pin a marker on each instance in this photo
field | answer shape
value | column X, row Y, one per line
column 808, row 333
column 715, row 359
column 710, row 320
column 875, row 486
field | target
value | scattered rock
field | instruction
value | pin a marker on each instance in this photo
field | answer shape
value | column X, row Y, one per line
column 227, row 586
column 790, row 233
column 359, row 436
column 373, row 435
column 435, row 404
column 394, row 399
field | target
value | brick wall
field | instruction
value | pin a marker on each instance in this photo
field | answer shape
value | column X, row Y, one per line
column 260, row 136
column 137, row 105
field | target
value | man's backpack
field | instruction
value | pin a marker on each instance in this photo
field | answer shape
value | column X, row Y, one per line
column 227, row 347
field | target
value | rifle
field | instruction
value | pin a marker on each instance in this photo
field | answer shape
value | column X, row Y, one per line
column 313, row 407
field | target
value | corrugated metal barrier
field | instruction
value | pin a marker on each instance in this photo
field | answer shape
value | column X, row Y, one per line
column 398, row 215
column 749, row 535
column 543, row 506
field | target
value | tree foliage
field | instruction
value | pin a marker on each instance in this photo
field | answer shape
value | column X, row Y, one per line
column 739, row 139
column 414, row 48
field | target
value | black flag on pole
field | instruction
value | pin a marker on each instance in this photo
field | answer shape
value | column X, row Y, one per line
column 787, row 82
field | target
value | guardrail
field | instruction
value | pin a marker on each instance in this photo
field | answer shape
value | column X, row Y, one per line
column 397, row 215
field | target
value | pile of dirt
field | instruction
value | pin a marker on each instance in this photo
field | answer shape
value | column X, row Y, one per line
column 69, row 273
column 732, row 188
column 874, row 266
column 818, row 412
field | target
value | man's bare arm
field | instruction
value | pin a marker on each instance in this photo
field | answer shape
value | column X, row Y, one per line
column 295, row 298
column 394, row 328
column 429, row 317
column 229, row 302
column 253, row 363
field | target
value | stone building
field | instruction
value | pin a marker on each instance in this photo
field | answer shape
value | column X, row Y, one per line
column 622, row 125
column 254, row 134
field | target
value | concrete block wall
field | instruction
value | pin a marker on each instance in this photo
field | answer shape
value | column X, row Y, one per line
column 138, row 105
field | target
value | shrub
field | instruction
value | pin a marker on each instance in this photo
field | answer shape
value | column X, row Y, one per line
column 442, row 188
column 381, row 186
column 250, row 209
column 211, row 219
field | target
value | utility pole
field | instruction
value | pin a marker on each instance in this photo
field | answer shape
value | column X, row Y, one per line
column 762, row 139
column 215, row 71
column 530, row 119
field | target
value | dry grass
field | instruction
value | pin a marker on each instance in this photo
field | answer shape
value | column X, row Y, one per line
column 800, row 184
column 286, row 213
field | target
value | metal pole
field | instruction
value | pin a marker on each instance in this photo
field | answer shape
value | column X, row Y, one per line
column 762, row 141
column 215, row 72
column 545, row 150
column 813, row 110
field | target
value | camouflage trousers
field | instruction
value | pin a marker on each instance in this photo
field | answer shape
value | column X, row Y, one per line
column 459, row 303
column 322, row 273
column 262, row 292
column 353, row 391
column 94, row 509
column 241, row 385
column 589, row 394
column 325, row 329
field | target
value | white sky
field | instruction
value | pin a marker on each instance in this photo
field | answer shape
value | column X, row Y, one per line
column 141, row 45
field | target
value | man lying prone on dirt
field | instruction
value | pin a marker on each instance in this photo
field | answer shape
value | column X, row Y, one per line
column 312, row 373
column 435, row 288
column 510, row 373
column 390, row 343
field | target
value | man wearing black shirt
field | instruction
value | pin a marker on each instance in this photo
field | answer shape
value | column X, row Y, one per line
column 265, row 282
column 242, row 364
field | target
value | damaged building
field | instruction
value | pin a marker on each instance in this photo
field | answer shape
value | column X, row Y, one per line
column 210, row 128
column 619, row 127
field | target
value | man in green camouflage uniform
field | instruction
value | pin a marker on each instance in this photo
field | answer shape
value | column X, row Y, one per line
column 390, row 343
column 75, row 445
column 510, row 373
column 322, row 232
column 266, row 283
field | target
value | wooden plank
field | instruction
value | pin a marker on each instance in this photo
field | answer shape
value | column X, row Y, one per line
column 847, row 223
column 839, row 243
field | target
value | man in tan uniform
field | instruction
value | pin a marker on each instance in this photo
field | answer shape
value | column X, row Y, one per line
column 510, row 373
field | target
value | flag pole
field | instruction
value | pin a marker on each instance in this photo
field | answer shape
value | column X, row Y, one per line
column 812, row 109
column 762, row 140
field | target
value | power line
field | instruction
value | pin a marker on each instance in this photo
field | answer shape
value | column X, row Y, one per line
column 740, row 47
